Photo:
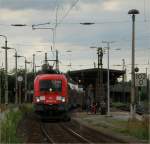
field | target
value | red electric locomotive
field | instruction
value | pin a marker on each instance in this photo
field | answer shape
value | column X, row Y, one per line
column 51, row 95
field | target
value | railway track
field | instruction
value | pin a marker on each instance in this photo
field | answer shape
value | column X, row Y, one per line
column 92, row 134
column 72, row 133
column 62, row 134
column 45, row 134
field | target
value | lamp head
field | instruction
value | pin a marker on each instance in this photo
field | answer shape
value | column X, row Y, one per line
column 87, row 23
column 7, row 48
column 133, row 11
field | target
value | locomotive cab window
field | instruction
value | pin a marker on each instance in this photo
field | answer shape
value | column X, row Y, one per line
column 51, row 85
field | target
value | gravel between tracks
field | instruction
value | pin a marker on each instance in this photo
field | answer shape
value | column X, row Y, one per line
column 30, row 131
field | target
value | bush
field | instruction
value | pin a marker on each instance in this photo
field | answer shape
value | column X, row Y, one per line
column 9, row 126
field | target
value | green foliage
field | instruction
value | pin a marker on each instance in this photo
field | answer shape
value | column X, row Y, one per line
column 139, row 129
column 11, row 83
column 25, row 108
column 9, row 126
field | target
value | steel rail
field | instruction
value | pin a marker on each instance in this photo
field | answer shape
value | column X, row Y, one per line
column 44, row 131
column 75, row 134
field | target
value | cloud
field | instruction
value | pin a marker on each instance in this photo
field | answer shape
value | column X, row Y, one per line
column 111, row 5
column 9, row 16
column 33, row 4
column 70, row 34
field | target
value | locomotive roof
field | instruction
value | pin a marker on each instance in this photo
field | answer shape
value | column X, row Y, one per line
column 53, row 76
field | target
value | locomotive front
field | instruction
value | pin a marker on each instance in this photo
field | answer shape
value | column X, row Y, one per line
column 50, row 94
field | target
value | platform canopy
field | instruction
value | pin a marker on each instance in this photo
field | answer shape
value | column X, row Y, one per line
column 87, row 76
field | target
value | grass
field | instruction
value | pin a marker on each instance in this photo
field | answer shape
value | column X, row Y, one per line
column 136, row 128
column 9, row 126
column 118, row 104
column 139, row 129
column 8, row 129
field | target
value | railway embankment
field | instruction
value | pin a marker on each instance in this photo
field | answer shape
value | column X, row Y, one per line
column 117, row 125
column 10, row 117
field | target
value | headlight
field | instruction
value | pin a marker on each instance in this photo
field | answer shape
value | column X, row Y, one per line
column 37, row 99
column 60, row 98
column 63, row 99
column 40, row 98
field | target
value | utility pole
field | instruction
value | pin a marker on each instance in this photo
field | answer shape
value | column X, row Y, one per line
column 16, row 83
column 6, row 69
column 94, row 64
column 100, row 93
column 57, row 61
column 147, row 84
column 26, row 62
column 36, row 67
column 33, row 69
column 6, row 74
column 16, row 75
column 16, row 89
column 100, row 80
column 46, row 58
column 0, row 86
column 25, row 80
column 123, row 79
column 133, row 12
column 108, row 77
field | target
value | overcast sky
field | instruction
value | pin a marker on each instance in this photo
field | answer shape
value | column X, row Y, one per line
column 112, row 23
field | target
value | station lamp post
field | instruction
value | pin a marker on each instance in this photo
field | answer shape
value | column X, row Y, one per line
column 133, row 12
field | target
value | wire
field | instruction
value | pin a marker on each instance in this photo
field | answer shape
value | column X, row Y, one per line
column 103, row 22
column 73, row 5
column 74, row 23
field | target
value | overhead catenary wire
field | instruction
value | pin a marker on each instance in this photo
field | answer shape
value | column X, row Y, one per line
column 66, row 14
column 76, row 23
